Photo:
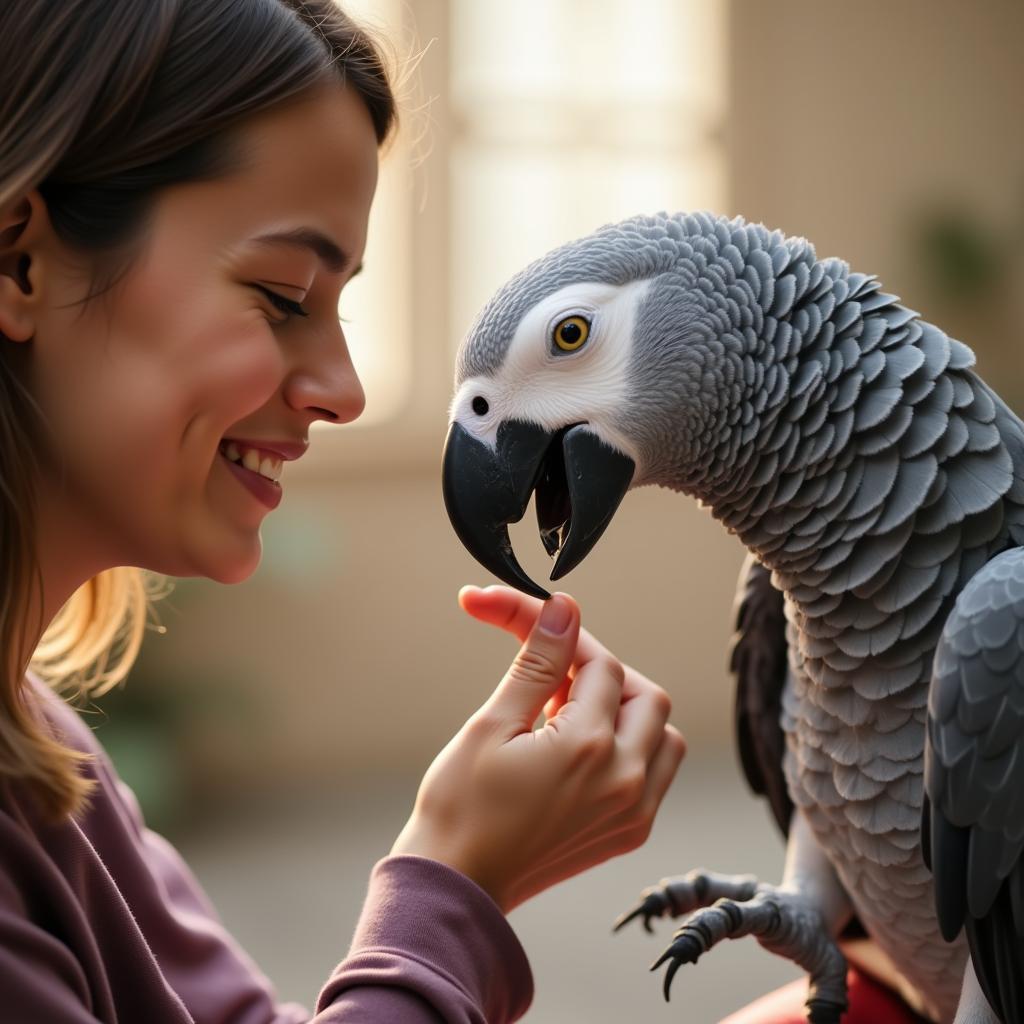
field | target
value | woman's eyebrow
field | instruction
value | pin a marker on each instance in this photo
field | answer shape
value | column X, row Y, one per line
column 329, row 252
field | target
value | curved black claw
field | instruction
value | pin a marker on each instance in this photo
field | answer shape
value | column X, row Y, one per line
column 669, row 975
column 685, row 948
column 654, row 903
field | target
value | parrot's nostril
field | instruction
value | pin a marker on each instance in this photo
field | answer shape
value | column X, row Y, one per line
column 480, row 406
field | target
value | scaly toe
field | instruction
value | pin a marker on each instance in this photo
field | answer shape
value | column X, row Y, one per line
column 822, row 1011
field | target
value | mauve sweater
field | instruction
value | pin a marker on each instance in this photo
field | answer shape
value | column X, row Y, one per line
column 101, row 920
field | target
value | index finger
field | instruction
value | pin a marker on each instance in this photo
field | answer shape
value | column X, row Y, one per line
column 516, row 613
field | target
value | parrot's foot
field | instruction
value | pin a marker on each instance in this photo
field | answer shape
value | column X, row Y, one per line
column 730, row 906
column 673, row 897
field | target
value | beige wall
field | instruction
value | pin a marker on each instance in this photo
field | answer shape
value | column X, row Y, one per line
column 348, row 642
column 847, row 121
column 358, row 658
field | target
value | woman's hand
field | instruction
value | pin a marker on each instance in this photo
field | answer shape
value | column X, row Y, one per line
column 518, row 809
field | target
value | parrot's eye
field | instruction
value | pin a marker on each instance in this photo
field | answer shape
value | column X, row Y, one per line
column 571, row 333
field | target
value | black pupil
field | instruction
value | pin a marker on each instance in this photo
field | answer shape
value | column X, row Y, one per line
column 480, row 406
column 570, row 333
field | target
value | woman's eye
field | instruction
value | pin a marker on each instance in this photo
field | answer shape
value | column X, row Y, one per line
column 571, row 333
column 288, row 306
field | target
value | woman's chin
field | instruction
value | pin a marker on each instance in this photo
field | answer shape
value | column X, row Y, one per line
column 233, row 576
column 237, row 571
column 225, row 566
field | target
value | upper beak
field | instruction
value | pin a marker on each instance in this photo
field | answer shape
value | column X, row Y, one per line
column 579, row 481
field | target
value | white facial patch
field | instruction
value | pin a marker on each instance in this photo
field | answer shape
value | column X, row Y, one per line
column 540, row 384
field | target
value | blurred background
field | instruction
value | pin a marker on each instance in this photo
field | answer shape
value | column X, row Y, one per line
column 277, row 731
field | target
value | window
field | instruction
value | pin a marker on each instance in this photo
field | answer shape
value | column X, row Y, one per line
column 570, row 114
column 376, row 304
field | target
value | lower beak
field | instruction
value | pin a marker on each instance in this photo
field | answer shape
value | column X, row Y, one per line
column 579, row 481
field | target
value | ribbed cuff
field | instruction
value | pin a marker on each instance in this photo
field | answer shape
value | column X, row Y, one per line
column 429, row 929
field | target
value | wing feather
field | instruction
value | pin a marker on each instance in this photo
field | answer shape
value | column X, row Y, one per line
column 758, row 661
column 974, row 778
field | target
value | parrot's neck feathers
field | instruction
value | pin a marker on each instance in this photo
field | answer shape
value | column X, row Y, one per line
column 865, row 457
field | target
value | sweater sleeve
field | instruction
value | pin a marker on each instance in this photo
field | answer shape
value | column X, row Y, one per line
column 430, row 946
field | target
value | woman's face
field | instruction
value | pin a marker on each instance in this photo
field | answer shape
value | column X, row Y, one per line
column 144, row 388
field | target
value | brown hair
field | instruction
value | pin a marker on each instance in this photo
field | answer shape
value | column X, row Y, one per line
column 104, row 103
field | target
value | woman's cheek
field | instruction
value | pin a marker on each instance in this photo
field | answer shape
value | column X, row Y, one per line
column 241, row 368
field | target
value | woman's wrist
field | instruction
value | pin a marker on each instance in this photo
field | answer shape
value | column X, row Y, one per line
column 418, row 839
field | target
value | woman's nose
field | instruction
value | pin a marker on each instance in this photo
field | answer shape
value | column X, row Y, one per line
column 324, row 381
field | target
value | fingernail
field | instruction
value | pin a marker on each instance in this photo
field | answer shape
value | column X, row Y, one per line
column 555, row 616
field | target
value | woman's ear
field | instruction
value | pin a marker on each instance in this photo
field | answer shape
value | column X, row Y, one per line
column 22, row 226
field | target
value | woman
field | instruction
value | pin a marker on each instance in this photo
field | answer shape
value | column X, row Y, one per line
column 184, row 192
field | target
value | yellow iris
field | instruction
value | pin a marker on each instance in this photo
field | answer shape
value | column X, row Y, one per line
column 571, row 333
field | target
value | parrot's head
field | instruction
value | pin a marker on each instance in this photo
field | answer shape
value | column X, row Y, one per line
column 613, row 361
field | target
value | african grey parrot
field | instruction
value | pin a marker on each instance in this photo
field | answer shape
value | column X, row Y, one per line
column 878, row 485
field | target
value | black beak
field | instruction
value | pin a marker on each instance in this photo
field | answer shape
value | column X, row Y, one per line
column 579, row 481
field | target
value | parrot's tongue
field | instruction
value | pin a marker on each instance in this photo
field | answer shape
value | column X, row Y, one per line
column 554, row 509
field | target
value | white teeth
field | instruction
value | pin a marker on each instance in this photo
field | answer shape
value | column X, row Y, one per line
column 268, row 466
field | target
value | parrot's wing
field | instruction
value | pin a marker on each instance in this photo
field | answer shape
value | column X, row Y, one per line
column 973, row 825
column 758, row 661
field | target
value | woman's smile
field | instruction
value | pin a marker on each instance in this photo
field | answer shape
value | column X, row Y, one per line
column 259, row 464
column 265, row 488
